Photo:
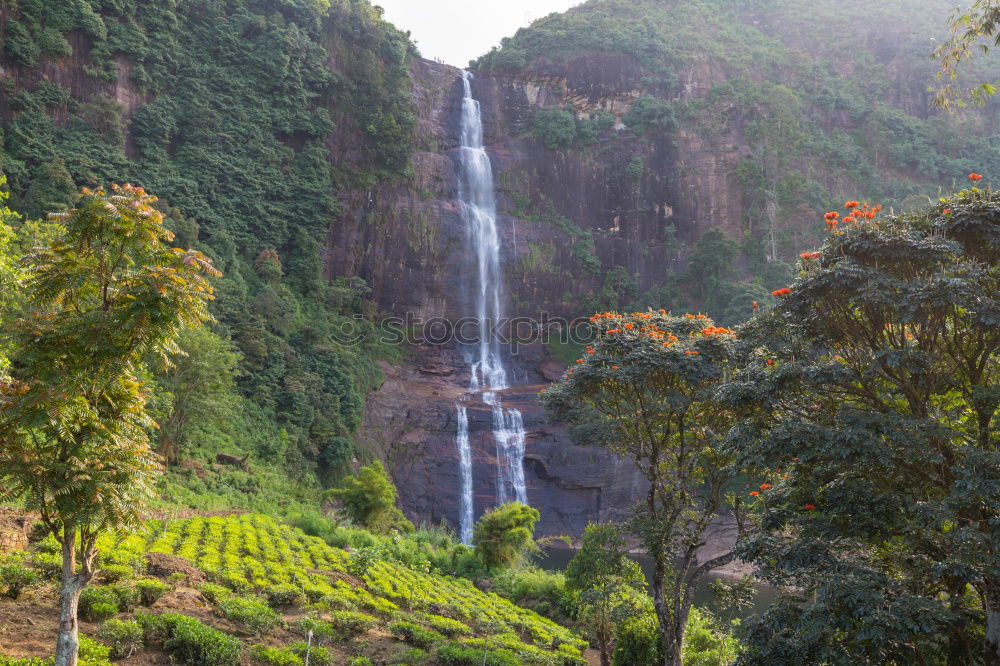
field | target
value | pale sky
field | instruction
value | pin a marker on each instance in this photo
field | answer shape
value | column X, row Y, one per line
column 457, row 31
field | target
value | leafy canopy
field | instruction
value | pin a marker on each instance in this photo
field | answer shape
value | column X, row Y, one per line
column 873, row 386
column 647, row 390
column 503, row 535
column 608, row 584
column 370, row 500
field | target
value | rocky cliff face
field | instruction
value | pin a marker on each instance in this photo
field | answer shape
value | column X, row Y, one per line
column 409, row 242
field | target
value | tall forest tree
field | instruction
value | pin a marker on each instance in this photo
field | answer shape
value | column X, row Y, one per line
column 646, row 389
column 74, row 428
column 874, row 386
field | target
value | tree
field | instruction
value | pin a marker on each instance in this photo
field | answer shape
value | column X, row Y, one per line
column 199, row 386
column 971, row 29
column 370, row 500
column 609, row 584
column 874, row 386
column 9, row 273
column 556, row 128
column 74, row 431
column 647, row 390
column 503, row 535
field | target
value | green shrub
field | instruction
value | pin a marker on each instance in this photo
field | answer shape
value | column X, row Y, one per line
column 189, row 641
column 113, row 573
column 412, row 657
column 380, row 606
column 542, row 591
column 253, row 614
column 124, row 636
column 637, row 643
column 127, row 596
column 456, row 654
column 100, row 611
column 236, row 582
column 446, row 625
column 318, row 656
column 14, row 578
column 503, row 535
column 26, row 661
column 416, row 635
column 284, row 595
column 151, row 590
column 556, row 128
column 98, row 603
column 48, row 565
column 370, row 500
column 347, row 624
column 705, row 644
column 93, row 653
column 214, row 593
column 360, row 661
column 265, row 655
column 650, row 113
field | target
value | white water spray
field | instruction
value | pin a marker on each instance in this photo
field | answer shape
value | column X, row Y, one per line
column 488, row 376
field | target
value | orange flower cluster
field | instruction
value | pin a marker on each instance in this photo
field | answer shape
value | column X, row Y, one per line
column 765, row 486
column 691, row 353
column 754, row 494
column 832, row 220
column 810, row 256
column 975, row 177
column 781, row 292
column 810, row 507
column 716, row 330
column 859, row 212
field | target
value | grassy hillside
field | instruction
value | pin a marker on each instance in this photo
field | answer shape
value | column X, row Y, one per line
column 247, row 589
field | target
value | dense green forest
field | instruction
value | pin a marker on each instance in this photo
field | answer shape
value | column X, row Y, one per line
column 831, row 103
column 180, row 477
column 232, row 107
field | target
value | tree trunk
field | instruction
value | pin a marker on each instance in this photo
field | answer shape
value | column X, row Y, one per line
column 604, row 644
column 668, row 637
column 68, row 641
column 992, row 597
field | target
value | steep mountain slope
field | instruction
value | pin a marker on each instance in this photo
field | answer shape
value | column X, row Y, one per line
column 253, row 121
column 647, row 123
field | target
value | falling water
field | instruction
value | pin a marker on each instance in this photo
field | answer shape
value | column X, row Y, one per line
column 465, row 459
column 488, row 376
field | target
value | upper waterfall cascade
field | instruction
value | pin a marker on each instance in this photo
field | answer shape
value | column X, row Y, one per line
column 488, row 372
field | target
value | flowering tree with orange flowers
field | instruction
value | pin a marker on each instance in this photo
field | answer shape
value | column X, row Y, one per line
column 647, row 389
column 870, row 396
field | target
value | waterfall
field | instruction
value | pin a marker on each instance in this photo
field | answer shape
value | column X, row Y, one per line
column 465, row 460
column 488, row 374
